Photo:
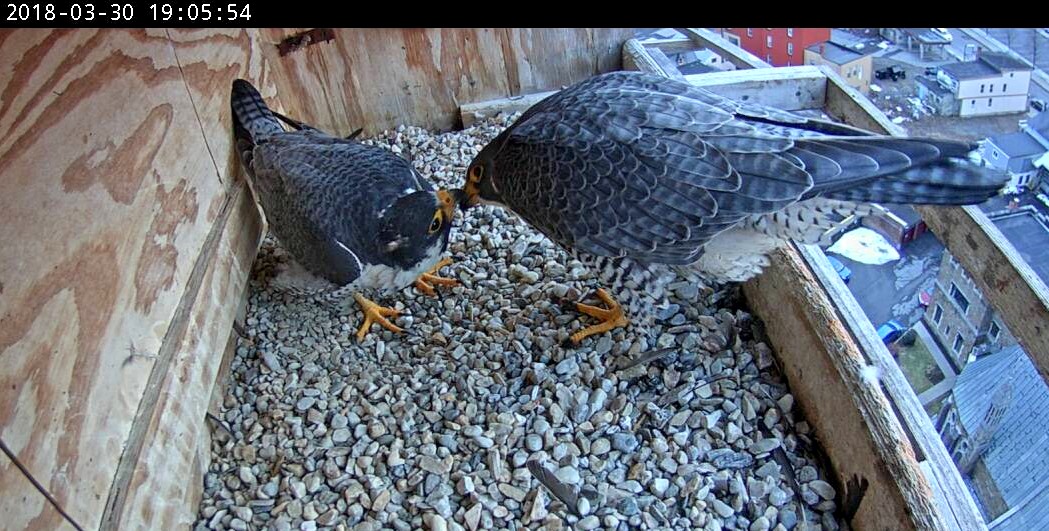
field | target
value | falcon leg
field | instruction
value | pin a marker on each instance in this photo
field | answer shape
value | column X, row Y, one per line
column 426, row 282
column 374, row 313
column 611, row 317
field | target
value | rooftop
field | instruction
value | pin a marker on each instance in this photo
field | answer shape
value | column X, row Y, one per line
column 933, row 85
column 1018, row 144
column 926, row 35
column 696, row 67
column 970, row 70
column 1003, row 61
column 1018, row 456
column 1030, row 237
column 844, row 47
column 987, row 65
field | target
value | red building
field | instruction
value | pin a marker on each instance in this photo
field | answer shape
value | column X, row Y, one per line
column 777, row 46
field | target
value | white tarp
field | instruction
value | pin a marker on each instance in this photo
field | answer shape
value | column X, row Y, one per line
column 865, row 246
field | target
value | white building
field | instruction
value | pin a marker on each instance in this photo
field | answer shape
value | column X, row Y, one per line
column 994, row 83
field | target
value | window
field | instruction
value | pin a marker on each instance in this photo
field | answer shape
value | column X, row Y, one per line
column 768, row 58
column 958, row 342
column 768, row 41
column 973, row 103
column 994, row 153
column 790, row 48
column 1003, row 86
column 990, row 88
column 937, row 315
column 790, row 32
column 958, row 297
column 988, row 102
column 981, row 89
column 750, row 32
column 946, row 330
column 859, row 71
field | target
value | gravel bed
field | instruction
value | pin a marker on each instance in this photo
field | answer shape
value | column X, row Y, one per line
column 685, row 424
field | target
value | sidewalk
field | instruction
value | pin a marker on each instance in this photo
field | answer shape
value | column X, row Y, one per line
column 945, row 386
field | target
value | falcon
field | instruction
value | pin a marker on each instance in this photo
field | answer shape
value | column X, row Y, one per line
column 358, row 217
column 641, row 177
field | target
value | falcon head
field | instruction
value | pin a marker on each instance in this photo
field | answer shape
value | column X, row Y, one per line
column 417, row 225
column 480, row 185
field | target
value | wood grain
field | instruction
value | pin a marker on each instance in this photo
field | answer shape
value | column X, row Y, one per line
column 378, row 79
column 22, row 506
column 108, row 183
column 166, row 484
column 853, row 419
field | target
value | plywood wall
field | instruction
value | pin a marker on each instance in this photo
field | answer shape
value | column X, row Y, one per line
column 116, row 168
column 127, row 234
column 378, row 79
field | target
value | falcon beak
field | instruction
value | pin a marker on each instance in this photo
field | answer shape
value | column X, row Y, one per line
column 449, row 199
column 471, row 195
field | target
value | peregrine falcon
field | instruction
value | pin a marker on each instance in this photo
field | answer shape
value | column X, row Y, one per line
column 641, row 177
column 357, row 216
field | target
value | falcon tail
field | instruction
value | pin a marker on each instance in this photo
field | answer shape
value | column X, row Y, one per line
column 253, row 121
column 903, row 170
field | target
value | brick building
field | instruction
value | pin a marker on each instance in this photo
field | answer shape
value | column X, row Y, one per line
column 777, row 46
column 960, row 319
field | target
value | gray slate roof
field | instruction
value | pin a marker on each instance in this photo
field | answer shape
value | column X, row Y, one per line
column 989, row 64
column 969, row 70
column 1018, row 144
column 1018, row 456
column 844, row 47
column 1032, row 513
column 1003, row 61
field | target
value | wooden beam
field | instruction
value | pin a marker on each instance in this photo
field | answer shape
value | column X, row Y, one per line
column 471, row 113
column 669, row 46
column 852, row 417
column 789, row 88
column 158, row 493
column 637, row 57
column 665, row 63
column 952, row 496
column 705, row 38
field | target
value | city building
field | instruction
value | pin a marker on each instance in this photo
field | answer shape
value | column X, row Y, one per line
column 777, row 46
column 993, row 424
column 960, row 319
column 850, row 57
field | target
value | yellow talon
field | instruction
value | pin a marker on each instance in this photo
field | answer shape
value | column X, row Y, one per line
column 611, row 317
column 374, row 313
column 426, row 282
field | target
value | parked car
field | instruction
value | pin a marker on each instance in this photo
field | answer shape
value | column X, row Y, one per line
column 891, row 331
column 1038, row 104
column 893, row 72
column 931, row 71
column 943, row 32
column 843, row 271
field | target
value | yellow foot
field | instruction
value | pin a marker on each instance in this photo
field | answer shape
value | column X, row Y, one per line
column 426, row 282
column 373, row 313
column 611, row 317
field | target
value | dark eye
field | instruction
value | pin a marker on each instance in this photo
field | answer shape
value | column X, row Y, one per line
column 435, row 223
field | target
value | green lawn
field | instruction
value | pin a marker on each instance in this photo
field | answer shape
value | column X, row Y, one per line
column 918, row 366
